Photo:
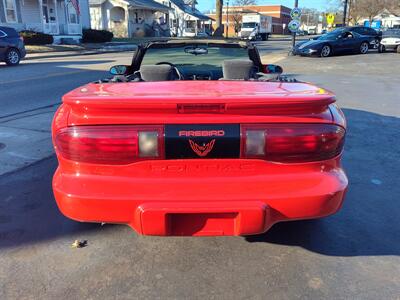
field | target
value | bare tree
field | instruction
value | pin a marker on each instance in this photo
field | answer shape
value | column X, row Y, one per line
column 237, row 13
column 244, row 2
column 236, row 17
column 369, row 8
column 310, row 16
column 360, row 9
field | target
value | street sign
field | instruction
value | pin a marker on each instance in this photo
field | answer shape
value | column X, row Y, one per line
column 295, row 14
column 330, row 19
column 294, row 25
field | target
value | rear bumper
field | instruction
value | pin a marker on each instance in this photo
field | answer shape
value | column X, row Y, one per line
column 211, row 197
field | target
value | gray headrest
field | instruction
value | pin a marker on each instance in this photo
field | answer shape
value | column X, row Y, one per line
column 156, row 72
column 238, row 69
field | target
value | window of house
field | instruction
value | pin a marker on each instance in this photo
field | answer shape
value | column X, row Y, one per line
column 72, row 15
column 10, row 9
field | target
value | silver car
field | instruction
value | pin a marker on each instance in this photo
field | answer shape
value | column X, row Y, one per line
column 390, row 41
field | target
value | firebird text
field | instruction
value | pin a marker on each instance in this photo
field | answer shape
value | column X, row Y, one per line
column 189, row 133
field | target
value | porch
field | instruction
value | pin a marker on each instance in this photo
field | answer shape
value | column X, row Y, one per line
column 55, row 17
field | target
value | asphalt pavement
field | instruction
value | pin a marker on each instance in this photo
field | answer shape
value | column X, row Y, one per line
column 351, row 255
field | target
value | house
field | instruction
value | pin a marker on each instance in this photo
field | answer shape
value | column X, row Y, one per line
column 64, row 19
column 130, row 18
column 185, row 19
column 389, row 18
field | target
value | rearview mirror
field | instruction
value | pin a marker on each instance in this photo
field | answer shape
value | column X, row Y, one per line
column 118, row 70
column 272, row 69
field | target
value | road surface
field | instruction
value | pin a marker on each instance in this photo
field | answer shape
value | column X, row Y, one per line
column 351, row 255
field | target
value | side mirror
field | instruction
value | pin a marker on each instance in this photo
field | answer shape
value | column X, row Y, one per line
column 272, row 69
column 118, row 70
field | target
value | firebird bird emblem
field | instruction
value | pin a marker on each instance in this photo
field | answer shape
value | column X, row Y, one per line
column 202, row 150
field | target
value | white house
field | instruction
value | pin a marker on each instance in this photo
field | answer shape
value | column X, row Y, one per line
column 389, row 18
column 60, row 18
column 130, row 18
column 185, row 18
column 147, row 18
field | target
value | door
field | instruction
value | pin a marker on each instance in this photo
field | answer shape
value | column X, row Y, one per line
column 346, row 42
column 50, row 23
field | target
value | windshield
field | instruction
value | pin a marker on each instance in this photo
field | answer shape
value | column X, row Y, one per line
column 331, row 35
column 390, row 33
column 191, row 58
column 249, row 25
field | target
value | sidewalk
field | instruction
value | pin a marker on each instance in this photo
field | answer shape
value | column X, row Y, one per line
column 87, row 49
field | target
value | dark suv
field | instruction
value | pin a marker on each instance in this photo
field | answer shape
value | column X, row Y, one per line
column 377, row 35
column 12, row 47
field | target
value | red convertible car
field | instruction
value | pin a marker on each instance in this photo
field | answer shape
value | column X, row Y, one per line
column 197, row 138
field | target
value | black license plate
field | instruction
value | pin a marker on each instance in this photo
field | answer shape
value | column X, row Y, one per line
column 202, row 141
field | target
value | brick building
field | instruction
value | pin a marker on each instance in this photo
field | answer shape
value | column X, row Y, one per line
column 280, row 15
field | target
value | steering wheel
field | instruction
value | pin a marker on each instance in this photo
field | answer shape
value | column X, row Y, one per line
column 180, row 77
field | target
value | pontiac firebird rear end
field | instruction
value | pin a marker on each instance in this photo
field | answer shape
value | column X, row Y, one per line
column 231, row 159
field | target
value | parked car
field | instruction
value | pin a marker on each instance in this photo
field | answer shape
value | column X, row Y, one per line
column 12, row 48
column 312, row 30
column 302, row 32
column 390, row 41
column 367, row 31
column 202, row 34
column 210, row 147
column 339, row 41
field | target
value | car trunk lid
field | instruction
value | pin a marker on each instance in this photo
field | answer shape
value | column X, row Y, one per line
column 208, row 101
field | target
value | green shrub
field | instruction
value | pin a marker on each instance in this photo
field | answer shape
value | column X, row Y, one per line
column 96, row 36
column 36, row 38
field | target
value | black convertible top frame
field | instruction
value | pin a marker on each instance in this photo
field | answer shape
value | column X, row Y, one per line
column 142, row 48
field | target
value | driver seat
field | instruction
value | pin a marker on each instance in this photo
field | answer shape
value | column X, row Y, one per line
column 156, row 72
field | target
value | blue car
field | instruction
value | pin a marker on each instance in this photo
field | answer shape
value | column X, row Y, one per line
column 339, row 41
column 12, row 48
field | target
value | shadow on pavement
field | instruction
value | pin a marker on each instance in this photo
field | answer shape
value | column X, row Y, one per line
column 28, row 211
column 367, row 224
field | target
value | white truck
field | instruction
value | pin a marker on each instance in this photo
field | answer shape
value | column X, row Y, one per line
column 255, row 27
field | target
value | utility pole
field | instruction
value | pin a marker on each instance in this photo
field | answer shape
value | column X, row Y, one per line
column 227, row 19
column 296, row 5
column 345, row 12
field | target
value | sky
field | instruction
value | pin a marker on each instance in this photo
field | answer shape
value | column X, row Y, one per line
column 204, row 5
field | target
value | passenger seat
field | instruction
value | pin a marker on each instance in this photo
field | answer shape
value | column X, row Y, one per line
column 238, row 69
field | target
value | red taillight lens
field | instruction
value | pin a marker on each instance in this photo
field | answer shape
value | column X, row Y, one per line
column 113, row 145
column 292, row 142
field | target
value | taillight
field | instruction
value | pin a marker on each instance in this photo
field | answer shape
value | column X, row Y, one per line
column 291, row 142
column 113, row 145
